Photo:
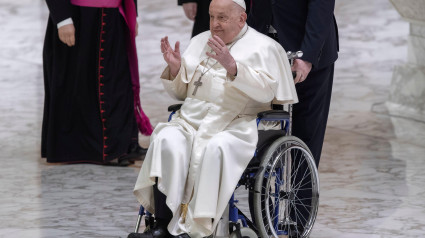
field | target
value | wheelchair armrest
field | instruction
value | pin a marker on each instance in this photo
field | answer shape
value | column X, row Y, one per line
column 174, row 107
column 273, row 115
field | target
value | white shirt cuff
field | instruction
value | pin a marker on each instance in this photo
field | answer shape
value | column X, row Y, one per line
column 65, row 22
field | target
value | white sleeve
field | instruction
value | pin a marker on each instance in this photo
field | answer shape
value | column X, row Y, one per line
column 256, row 84
column 175, row 86
column 65, row 22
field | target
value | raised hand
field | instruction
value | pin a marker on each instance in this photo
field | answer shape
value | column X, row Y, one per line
column 172, row 57
column 67, row 34
column 222, row 54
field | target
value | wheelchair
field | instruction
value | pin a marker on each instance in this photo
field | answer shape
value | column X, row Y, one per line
column 282, row 181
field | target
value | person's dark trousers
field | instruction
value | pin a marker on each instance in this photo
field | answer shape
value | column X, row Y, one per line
column 309, row 121
column 163, row 214
column 310, row 114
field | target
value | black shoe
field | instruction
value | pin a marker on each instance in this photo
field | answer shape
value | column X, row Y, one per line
column 134, row 235
column 120, row 162
column 141, row 151
column 155, row 232
column 136, row 152
column 184, row 235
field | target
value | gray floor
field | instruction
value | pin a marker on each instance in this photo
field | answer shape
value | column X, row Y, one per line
column 372, row 170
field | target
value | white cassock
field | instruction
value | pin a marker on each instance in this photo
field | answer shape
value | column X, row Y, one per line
column 201, row 153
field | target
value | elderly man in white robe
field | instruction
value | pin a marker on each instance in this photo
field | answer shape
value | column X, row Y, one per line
column 225, row 77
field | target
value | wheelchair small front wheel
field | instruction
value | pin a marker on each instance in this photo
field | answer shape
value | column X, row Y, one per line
column 286, row 197
column 245, row 233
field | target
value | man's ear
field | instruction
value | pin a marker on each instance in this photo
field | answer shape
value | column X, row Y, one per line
column 243, row 18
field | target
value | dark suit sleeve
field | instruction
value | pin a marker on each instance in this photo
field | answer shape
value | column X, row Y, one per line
column 135, row 4
column 320, row 19
column 180, row 2
column 59, row 10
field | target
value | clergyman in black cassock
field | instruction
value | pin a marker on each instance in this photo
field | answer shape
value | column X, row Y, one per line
column 89, row 114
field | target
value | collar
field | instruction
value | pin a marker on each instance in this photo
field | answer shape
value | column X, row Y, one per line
column 240, row 34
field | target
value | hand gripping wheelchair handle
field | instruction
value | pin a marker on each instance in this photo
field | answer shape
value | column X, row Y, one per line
column 291, row 57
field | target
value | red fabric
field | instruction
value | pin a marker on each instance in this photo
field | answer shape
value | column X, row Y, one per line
column 97, row 3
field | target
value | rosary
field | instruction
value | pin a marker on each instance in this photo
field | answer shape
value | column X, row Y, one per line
column 198, row 83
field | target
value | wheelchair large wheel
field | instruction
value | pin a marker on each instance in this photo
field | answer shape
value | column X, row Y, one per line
column 286, row 191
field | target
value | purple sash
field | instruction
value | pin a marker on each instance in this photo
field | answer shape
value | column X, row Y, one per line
column 129, row 15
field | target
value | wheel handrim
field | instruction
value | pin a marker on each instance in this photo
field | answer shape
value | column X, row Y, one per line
column 283, row 194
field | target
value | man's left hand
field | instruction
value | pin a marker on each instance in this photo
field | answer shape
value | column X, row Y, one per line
column 302, row 68
column 222, row 54
column 136, row 30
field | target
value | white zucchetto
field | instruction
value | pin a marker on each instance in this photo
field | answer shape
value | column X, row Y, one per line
column 240, row 3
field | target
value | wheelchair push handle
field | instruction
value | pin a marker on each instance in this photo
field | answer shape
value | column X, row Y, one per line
column 292, row 56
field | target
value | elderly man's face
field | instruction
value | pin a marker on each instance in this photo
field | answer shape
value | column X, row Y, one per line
column 226, row 19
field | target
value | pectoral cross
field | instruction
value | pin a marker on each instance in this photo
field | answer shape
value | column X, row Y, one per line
column 197, row 84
